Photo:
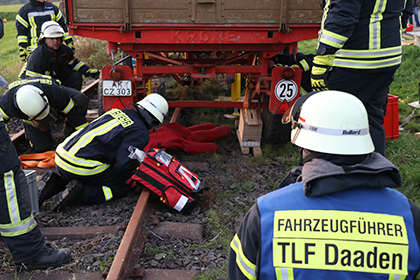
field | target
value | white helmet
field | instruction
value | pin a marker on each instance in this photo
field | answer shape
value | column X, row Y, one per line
column 51, row 29
column 32, row 103
column 156, row 105
column 332, row 122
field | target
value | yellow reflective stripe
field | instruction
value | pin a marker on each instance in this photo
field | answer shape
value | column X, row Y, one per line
column 11, row 196
column 332, row 39
column 387, row 52
column 20, row 228
column 284, row 273
column 67, row 36
column 78, row 65
column 32, row 31
column 22, row 21
column 22, row 39
column 58, row 16
column 79, row 166
column 32, row 73
column 305, row 65
column 69, row 106
column 71, row 61
column 45, row 80
column 107, row 193
column 90, row 135
column 246, row 267
column 81, row 126
column 3, row 114
column 367, row 64
column 396, row 277
column 375, row 24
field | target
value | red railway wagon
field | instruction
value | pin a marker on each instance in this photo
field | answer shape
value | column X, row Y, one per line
column 194, row 40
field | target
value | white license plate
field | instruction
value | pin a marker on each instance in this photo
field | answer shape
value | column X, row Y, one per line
column 116, row 88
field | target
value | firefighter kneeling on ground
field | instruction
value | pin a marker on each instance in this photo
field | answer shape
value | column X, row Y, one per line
column 342, row 219
column 18, row 227
column 95, row 163
column 40, row 102
column 53, row 58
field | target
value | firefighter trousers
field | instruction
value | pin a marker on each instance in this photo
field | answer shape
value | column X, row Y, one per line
column 17, row 225
column 100, row 187
column 372, row 89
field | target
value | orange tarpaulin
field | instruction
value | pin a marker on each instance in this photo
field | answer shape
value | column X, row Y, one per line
column 41, row 160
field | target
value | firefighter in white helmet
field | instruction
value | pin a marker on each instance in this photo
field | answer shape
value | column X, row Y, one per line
column 29, row 20
column 18, row 227
column 342, row 217
column 53, row 58
column 41, row 102
column 95, row 163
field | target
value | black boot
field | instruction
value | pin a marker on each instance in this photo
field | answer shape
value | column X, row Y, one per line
column 72, row 195
column 50, row 184
column 49, row 257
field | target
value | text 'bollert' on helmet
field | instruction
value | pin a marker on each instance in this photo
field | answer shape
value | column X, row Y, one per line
column 332, row 122
column 30, row 101
column 51, row 29
column 156, row 105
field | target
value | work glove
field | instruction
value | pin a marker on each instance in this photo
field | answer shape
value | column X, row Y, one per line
column 319, row 73
column 93, row 73
column 23, row 53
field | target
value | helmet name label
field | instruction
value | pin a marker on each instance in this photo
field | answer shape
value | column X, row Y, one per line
column 352, row 132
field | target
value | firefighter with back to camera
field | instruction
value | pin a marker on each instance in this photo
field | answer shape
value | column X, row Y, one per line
column 95, row 163
column 18, row 227
column 40, row 102
column 342, row 219
column 53, row 58
column 29, row 20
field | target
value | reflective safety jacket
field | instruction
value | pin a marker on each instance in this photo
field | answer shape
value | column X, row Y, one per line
column 43, row 62
column 58, row 99
column 30, row 18
column 363, row 34
column 104, row 142
column 354, row 233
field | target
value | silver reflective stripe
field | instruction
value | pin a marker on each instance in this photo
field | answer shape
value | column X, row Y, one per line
column 369, row 53
column 22, row 228
column 284, row 274
column 107, row 193
column 241, row 259
column 330, row 40
column 40, row 14
column 335, row 132
column 12, row 201
column 367, row 64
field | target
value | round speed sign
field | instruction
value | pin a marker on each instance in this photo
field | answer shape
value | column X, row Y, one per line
column 286, row 90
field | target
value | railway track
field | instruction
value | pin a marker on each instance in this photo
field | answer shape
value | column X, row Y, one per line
column 135, row 235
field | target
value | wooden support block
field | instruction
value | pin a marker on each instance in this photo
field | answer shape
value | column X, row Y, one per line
column 250, row 125
column 417, row 134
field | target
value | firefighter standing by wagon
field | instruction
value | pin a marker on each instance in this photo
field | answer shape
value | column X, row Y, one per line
column 39, row 102
column 18, row 227
column 29, row 20
column 359, row 50
column 97, row 160
column 343, row 220
column 53, row 58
